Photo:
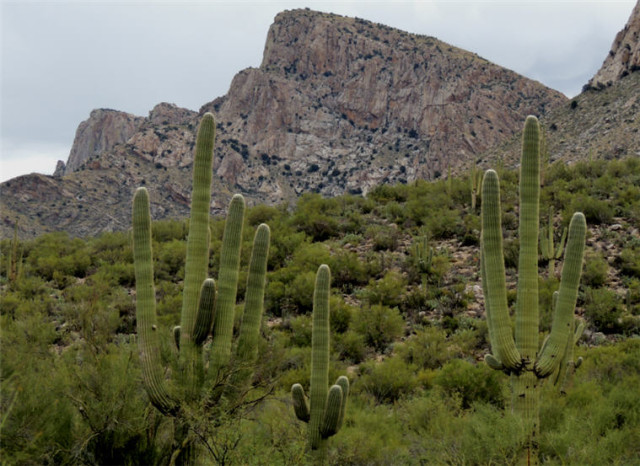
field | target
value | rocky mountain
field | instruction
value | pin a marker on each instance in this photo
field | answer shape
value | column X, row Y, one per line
column 338, row 105
column 104, row 130
column 604, row 120
column 624, row 56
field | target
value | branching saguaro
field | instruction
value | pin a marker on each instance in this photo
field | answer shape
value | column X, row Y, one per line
column 201, row 377
column 326, row 413
column 518, row 353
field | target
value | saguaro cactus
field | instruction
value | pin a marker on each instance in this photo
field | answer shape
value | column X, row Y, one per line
column 200, row 307
column 326, row 413
column 521, row 356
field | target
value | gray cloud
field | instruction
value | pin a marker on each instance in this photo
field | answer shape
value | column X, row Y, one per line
column 62, row 59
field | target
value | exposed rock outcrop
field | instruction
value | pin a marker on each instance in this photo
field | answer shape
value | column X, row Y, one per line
column 101, row 132
column 60, row 167
column 341, row 104
column 624, row 56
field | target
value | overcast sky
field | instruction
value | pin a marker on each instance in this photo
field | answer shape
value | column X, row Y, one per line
column 60, row 60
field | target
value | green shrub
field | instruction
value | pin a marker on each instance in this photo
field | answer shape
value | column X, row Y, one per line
column 603, row 309
column 341, row 314
column 167, row 230
column 347, row 270
column 262, row 213
column 388, row 290
column 383, row 238
column 301, row 330
column 596, row 211
column 379, row 325
column 427, row 349
column 594, row 273
column 471, row 383
column 387, row 381
column 169, row 261
column 629, row 260
column 491, row 436
column 351, row 347
column 300, row 292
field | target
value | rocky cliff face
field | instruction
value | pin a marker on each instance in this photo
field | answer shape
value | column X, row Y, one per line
column 338, row 105
column 341, row 104
column 604, row 120
column 101, row 132
column 624, row 56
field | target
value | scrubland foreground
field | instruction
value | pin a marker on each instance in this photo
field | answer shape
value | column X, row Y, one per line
column 407, row 328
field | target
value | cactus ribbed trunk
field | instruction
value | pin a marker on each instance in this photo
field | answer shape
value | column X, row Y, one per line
column 525, row 393
column 148, row 340
column 493, row 279
column 227, row 287
column 520, row 356
column 247, row 349
column 319, row 356
column 328, row 406
column 197, row 260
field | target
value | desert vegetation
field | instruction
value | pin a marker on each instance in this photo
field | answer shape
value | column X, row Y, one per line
column 407, row 330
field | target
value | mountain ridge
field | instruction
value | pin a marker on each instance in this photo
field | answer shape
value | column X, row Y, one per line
column 337, row 105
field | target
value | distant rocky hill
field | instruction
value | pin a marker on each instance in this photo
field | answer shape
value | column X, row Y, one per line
column 604, row 120
column 338, row 105
column 624, row 56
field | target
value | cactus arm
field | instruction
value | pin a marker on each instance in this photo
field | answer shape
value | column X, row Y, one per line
column 197, row 258
column 561, row 329
column 227, row 286
column 343, row 382
column 568, row 367
column 493, row 362
column 206, row 311
column 319, row 354
column 526, row 331
column 148, row 341
column 247, row 349
column 300, row 405
column 502, row 343
column 331, row 415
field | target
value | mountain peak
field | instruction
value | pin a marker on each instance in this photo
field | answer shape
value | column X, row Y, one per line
column 624, row 56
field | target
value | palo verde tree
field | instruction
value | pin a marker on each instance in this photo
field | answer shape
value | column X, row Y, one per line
column 326, row 413
column 521, row 356
column 199, row 380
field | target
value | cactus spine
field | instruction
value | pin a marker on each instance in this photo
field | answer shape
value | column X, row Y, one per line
column 326, row 413
column 520, row 356
column 200, row 306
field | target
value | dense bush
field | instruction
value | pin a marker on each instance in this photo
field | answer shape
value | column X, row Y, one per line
column 603, row 309
column 470, row 382
column 387, row 381
column 379, row 325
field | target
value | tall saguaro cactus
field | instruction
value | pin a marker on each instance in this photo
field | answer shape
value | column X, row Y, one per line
column 520, row 356
column 200, row 307
column 326, row 413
